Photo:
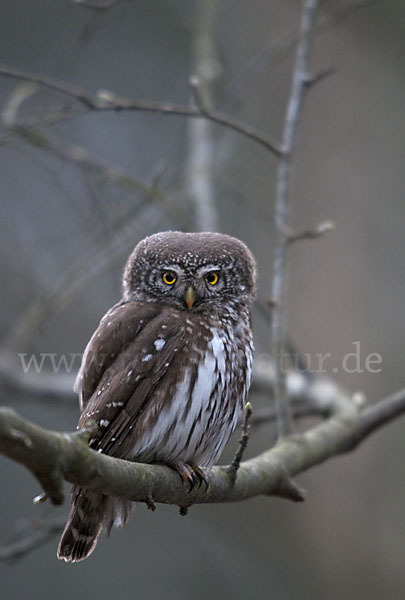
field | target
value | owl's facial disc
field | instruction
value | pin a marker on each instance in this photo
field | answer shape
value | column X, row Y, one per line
column 217, row 266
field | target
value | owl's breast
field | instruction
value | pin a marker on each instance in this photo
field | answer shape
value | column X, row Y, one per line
column 198, row 402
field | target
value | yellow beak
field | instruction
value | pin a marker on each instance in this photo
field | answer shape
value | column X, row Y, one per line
column 189, row 297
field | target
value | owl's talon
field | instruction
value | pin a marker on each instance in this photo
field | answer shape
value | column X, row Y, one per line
column 198, row 477
column 190, row 474
column 201, row 477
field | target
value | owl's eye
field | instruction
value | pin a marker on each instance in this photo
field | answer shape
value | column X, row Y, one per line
column 169, row 277
column 212, row 278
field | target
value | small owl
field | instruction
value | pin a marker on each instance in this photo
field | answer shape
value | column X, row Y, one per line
column 166, row 374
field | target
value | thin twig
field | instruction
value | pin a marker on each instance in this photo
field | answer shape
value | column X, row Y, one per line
column 281, row 218
column 235, row 464
column 311, row 234
column 108, row 101
column 59, row 115
column 320, row 76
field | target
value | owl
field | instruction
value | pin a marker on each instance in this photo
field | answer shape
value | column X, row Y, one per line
column 166, row 374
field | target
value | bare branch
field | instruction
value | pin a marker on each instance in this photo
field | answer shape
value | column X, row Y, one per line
column 293, row 112
column 108, row 101
column 381, row 413
column 53, row 456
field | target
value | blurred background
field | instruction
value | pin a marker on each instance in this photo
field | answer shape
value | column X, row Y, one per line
column 79, row 189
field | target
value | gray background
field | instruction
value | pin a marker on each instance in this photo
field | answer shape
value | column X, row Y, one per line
column 347, row 539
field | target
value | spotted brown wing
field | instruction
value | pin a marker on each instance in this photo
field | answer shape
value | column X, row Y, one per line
column 141, row 378
column 118, row 328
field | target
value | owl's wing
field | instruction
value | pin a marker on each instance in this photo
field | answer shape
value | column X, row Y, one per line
column 119, row 327
column 127, row 385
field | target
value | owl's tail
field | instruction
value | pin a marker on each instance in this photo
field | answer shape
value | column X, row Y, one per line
column 90, row 514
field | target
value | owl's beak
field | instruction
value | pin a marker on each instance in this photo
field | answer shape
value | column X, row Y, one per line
column 190, row 297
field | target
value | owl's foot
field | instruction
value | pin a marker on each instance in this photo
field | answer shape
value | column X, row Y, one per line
column 190, row 474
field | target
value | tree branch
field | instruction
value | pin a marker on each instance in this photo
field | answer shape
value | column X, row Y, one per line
column 53, row 456
column 281, row 210
column 108, row 101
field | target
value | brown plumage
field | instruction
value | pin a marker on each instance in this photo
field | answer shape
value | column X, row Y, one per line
column 166, row 373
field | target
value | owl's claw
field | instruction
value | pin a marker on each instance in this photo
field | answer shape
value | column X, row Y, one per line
column 190, row 474
column 201, row 477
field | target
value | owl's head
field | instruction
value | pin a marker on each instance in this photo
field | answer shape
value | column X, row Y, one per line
column 190, row 270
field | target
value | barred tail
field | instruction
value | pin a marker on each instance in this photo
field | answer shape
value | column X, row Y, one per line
column 90, row 514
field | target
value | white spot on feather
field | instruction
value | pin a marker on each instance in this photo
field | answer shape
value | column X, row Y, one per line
column 159, row 344
column 147, row 358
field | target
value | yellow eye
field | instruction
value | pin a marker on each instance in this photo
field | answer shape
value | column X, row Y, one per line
column 212, row 278
column 169, row 277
